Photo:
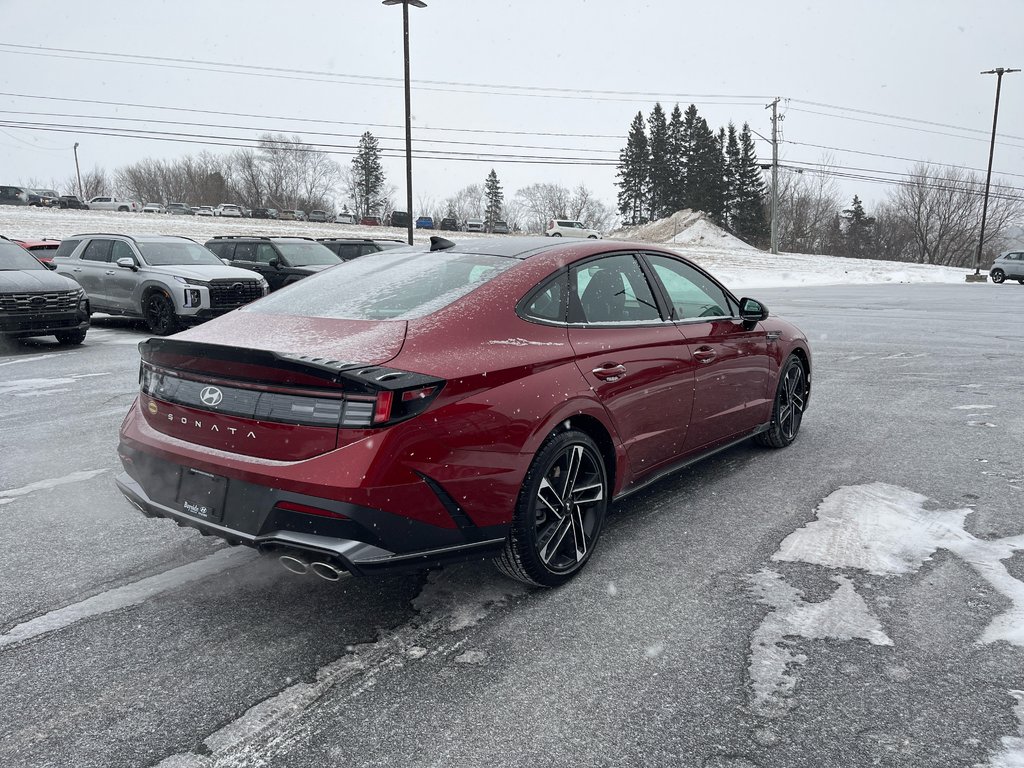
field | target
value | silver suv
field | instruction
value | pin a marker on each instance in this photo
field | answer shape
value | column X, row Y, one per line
column 1010, row 264
column 169, row 282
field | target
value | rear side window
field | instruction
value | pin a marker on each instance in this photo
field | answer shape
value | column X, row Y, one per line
column 97, row 250
column 223, row 250
column 395, row 285
column 66, row 247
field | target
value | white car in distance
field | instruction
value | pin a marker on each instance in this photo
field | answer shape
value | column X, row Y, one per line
column 568, row 228
column 228, row 209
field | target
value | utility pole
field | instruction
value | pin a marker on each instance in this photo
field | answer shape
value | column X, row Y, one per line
column 774, row 106
column 408, row 107
column 81, row 193
column 998, row 72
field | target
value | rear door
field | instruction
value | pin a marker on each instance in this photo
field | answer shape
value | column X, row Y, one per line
column 636, row 362
column 732, row 371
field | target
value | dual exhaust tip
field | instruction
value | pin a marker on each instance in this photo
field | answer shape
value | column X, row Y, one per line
column 299, row 565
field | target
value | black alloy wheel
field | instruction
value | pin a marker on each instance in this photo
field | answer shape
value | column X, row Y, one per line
column 788, row 409
column 70, row 337
column 160, row 315
column 997, row 275
column 559, row 514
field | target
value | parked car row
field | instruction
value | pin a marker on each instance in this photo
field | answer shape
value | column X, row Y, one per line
column 167, row 281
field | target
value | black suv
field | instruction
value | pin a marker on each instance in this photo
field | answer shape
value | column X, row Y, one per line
column 34, row 301
column 348, row 248
column 399, row 219
column 71, row 201
column 281, row 260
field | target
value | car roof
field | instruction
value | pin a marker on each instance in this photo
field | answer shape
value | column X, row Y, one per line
column 264, row 238
column 135, row 238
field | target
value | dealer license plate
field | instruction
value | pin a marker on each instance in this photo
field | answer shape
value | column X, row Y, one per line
column 201, row 494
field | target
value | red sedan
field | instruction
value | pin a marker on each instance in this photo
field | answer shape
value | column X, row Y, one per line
column 484, row 399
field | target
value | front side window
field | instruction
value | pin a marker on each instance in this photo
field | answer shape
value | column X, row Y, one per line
column 121, row 250
column 691, row 293
column 391, row 286
column 611, row 290
column 265, row 253
column 97, row 250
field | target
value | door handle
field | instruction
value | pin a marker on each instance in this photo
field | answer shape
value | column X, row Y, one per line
column 610, row 372
column 76, row 269
column 704, row 355
column 109, row 272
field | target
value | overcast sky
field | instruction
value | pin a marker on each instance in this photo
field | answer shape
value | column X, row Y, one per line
column 894, row 79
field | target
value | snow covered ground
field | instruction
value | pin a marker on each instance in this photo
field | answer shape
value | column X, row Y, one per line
column 737, row 264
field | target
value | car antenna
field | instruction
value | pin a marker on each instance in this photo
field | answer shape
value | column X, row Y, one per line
column 440, row 243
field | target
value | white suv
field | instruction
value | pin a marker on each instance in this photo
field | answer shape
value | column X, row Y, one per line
column 565, row 228
column 1010, row 264
column 169, row 282
column 229, row 210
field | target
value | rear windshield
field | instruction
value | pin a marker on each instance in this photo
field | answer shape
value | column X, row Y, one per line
column 13, row 256
column 394, row 285
column 304, row 254
column 165, row 254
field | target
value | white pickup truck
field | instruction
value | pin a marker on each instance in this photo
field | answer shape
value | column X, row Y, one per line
column 107, row 203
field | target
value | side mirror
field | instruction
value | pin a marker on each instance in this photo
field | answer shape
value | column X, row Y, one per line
column 49, row 265
column 752, row 310
column 275, row 263
column 227, row 262
column 127, row 262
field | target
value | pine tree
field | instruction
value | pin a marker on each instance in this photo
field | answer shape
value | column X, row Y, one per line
column 495, row 199
column 675, row 191
column 660, row 177
column 749, row 222
column 634, row 173
column 367, row 176
column 732, row 177
column 859, row 236
column 705, row 171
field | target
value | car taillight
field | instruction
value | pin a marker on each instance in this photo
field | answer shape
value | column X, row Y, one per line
column 397, row 405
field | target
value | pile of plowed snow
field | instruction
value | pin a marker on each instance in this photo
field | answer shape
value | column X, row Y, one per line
column 686, row 228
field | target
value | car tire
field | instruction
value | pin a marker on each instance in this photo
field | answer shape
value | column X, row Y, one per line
column 556, row 234
column 788, row 408
column 997, row 275
column 123, row 209
column 159, row 314
column 70, row 337
column 591, row 237
column 559, row 514
column 1021, row 281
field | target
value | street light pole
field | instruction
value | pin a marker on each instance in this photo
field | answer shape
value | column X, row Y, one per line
column 81, row 193
column 998, row 72
column 774, row 106
column 408, row 106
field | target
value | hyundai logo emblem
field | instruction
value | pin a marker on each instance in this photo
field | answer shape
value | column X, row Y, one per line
column 211, row 396
column 38, row 301
column 236, row 286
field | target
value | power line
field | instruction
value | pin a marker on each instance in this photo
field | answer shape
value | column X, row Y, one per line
column 310, row 133
column 442, row 86
column 312, row 120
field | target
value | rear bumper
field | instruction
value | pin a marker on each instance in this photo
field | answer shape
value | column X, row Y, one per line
column 365, row 541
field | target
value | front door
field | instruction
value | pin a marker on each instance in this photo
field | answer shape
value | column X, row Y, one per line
column 733, row 372
column 637, row 364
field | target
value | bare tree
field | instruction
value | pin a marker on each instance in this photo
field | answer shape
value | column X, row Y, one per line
column 808, row 204
column 941, row 207
column 534, row 205
column 467, row 203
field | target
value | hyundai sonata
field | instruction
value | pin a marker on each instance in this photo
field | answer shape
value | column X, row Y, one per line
column 488, row 399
